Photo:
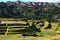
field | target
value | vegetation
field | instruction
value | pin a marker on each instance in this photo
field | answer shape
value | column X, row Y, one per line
column 30, row 19
column 13, row 10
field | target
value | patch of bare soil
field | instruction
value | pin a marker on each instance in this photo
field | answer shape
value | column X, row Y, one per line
column 57, row 37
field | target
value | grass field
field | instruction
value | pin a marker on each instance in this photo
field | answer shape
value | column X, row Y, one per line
column 46, row 34
column 18, row 37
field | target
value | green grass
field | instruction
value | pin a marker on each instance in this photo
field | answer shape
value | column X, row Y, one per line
column 18, row 37
column 46, row 34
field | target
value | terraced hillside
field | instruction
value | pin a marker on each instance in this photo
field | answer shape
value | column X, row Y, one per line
column 11, row 29
column 18, row 27
column 12, row 26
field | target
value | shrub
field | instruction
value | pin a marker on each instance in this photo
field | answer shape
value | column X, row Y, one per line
column 49, row 26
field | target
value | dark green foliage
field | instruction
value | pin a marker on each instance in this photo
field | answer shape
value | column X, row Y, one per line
column 42, row 25
column 33, row 28
column 12, row 10
column 49, row 26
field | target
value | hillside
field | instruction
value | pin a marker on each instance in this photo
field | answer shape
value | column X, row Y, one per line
column 29, row 10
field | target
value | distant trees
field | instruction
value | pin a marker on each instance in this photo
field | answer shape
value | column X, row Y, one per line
column 12, row 10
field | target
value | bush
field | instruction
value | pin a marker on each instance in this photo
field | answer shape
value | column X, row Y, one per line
column 49, row 26
column 34, row 28
column 42, row 23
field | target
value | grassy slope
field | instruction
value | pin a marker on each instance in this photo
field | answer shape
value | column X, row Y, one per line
column 17, row 37
column 46, row 37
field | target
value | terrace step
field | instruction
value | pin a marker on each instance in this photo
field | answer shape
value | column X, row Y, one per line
column 13, row 33
column 17, row 26
column 2, row 24
column 2, row 31
column 13, row 22
column 3, row 27
column 15, row 29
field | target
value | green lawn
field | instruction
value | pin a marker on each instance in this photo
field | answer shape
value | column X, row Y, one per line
column 18, row 37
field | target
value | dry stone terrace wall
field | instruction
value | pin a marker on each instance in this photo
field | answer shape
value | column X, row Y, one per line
column 9, row 26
